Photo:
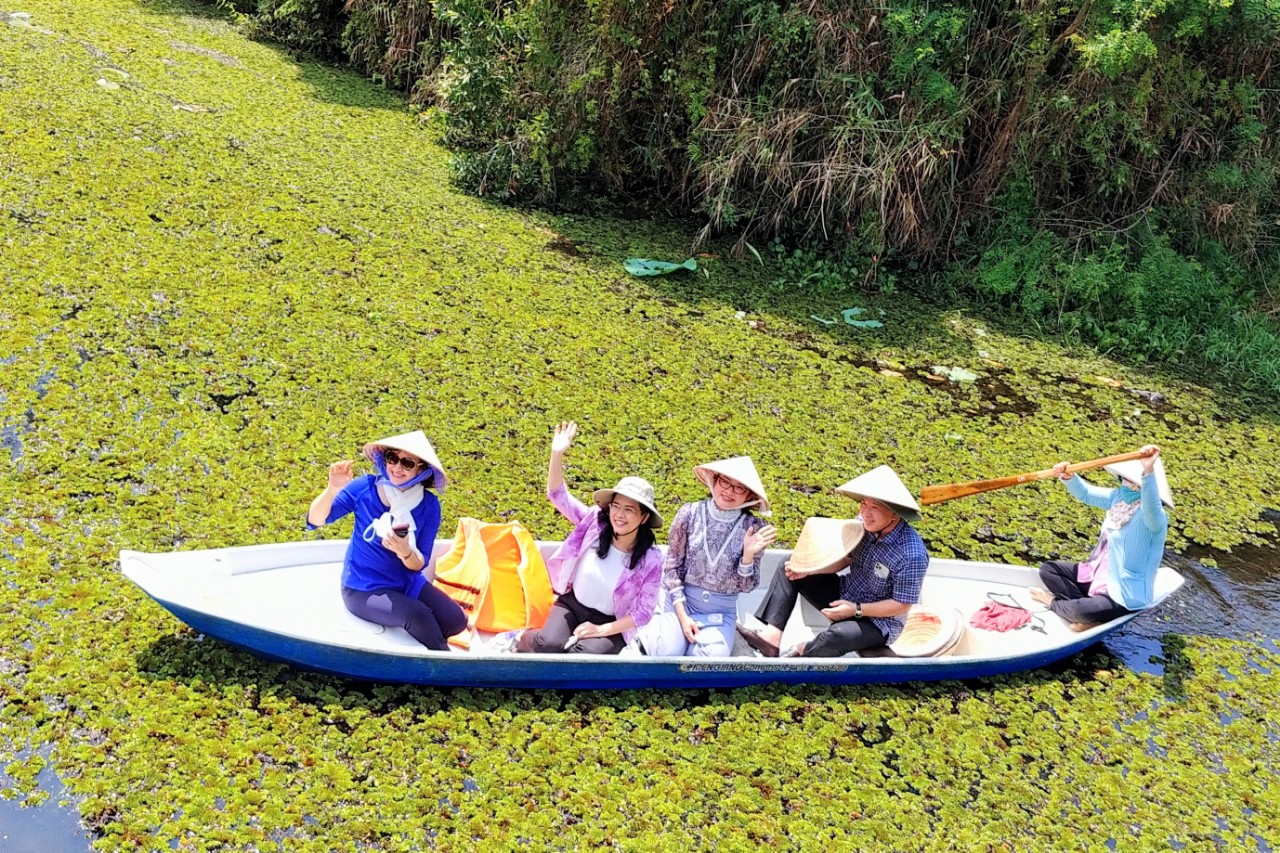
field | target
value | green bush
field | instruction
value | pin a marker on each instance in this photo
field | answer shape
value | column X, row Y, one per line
column 1143, row 303
column 309, row 26
column 1108, row 171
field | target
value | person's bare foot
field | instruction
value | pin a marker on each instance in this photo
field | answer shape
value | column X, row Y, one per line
column 759, row 641
column 1078, row 627
column 771, row 634
column 1043, row 596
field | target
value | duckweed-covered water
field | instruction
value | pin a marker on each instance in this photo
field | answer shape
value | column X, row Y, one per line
column 224, row 267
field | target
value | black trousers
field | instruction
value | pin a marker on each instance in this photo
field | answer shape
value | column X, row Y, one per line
column 839, row 638
column 1071, row 599
column 431, row 618
column 566, row 614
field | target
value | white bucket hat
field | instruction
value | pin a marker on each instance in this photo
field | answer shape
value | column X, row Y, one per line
column 883, row 485
column 739, row 468
column 419, row 445
column 1132, row 470
column 823, row 542
column 636, row 488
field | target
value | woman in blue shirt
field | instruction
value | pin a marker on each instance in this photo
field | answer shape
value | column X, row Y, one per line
column 396, row 521
column 1119, row 576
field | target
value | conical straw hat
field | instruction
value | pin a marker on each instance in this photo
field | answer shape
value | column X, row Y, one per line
column 742, row 469
column 929, row 633
column 1132, row 470
column 883, row 485
column 823, row 542
column 419, row 445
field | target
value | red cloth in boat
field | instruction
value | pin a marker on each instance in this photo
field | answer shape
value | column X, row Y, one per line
column 994, row 616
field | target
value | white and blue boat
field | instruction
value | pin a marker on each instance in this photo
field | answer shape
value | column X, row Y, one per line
column 282, row 601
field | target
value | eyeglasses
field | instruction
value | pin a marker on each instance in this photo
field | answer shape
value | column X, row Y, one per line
column 410, row 465
column 624, row 510
column 732, row 486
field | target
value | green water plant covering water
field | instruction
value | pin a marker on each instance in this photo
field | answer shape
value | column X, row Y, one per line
column 223, row 268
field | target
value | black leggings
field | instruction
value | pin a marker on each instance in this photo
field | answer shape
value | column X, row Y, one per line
column 1071, row 599
column 431, row 618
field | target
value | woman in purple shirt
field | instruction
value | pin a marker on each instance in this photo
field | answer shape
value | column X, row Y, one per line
column 395, row 531
column 607, row 572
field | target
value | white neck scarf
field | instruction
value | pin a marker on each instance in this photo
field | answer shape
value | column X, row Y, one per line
column 400, row 511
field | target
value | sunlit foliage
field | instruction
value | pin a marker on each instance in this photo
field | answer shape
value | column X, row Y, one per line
column 223, row 268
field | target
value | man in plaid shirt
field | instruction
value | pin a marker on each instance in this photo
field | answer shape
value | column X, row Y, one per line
column 867, row 594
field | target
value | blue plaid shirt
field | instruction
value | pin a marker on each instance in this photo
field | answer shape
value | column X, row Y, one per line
column 887, row 566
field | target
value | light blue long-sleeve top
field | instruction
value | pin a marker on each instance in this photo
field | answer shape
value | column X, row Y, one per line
column 1135, row 550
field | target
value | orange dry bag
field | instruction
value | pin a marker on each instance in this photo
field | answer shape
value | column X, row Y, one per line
column 496, row 574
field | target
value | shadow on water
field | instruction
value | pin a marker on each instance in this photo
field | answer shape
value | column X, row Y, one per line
column 605, row 233
column 331, row 83
column 197, row 659
column 47, row 828
column 1238, row 597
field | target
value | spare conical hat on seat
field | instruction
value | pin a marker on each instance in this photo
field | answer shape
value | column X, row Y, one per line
column 823, row 542
column 929, row 633
column 1132, row 470
column 419, row 445
column 739, row 468
column 883, row 485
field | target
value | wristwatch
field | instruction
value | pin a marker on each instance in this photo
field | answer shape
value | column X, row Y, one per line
column 857, row 610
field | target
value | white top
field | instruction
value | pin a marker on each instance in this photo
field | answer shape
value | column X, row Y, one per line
column 596, row 578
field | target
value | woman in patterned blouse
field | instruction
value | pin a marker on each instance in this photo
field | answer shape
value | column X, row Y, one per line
column 713, row 554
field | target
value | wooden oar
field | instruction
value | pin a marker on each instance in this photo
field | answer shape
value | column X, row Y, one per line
column 930, row 495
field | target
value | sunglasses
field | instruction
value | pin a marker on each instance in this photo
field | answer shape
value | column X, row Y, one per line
column 393, row 458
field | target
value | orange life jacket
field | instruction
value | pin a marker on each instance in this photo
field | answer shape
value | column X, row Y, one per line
column 496, row 574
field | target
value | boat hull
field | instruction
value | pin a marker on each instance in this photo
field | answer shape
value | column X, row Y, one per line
column 280, row 602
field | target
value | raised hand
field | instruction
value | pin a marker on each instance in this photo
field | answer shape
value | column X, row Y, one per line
column 1149, row 462
column 563, row 439
column 1061, row 472
column 756, row 541
column 339, row 474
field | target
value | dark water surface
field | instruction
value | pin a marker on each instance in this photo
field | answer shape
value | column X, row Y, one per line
column 1238, row 598
column 48, row 828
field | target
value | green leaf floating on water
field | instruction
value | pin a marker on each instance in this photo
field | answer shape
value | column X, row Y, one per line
column 850, row 315
column 648, row 266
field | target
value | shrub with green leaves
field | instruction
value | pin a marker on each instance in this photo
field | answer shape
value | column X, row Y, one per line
column 951, row 143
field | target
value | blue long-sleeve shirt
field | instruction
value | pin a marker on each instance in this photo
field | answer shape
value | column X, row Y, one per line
column 1135, row 550
column 367, row 565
